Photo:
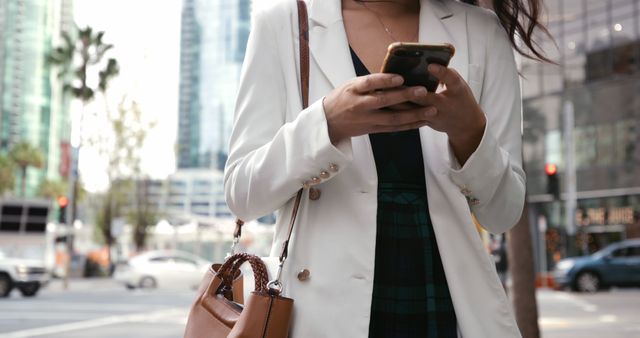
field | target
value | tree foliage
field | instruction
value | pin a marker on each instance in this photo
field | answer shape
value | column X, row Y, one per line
column 76, row 56
column 52, row 189
column 24, row 155
column 122, row 143
column 7, row 177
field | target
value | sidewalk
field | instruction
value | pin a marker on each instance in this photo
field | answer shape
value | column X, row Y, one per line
column 607, row 314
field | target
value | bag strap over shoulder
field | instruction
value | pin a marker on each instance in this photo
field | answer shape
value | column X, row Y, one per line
column 303, row 38
column 303, row 28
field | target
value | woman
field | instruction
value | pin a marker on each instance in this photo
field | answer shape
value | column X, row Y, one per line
column 385, row 244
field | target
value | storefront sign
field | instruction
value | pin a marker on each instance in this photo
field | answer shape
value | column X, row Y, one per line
column 604, row 216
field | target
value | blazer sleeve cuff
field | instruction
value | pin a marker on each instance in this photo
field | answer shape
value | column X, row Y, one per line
column 327, row 159
column 479, row 176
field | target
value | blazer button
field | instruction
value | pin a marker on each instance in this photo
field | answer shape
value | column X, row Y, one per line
column 314, row 194
column 324, row 174
column 333, row 167
column 304, row 275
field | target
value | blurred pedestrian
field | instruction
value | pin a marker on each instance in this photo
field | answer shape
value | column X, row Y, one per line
column 499, row 253
column 385, row 245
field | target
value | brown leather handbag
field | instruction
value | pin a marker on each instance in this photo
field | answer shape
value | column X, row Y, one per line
column 265, row 314
column 220, row 310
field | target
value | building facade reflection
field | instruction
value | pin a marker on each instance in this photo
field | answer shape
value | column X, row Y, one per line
column 597, row 47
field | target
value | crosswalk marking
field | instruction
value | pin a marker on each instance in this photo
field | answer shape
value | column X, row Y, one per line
column 154, row 316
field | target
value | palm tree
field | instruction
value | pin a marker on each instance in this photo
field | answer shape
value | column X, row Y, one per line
column 75, row 58
column 84, row 51
column 24, row 155
column 7, row 177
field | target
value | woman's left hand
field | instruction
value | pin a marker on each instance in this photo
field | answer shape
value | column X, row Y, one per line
column 458, row 114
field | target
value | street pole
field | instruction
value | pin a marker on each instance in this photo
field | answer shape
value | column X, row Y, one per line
column 570, row 168
column 69, row 217
column 198, row 248
column 74, row 173
column 542, row 230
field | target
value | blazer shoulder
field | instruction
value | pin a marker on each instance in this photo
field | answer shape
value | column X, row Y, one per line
column 274, row 10
column 278, row 15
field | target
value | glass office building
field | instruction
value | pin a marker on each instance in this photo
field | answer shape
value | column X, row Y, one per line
column 597, row 47
column 32, row 109
column 189, row 103
column 213, row 40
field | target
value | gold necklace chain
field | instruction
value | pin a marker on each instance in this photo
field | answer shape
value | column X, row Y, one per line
column 386, row 29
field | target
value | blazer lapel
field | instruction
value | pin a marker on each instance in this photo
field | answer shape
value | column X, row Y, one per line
column 439, row 24
column 328, row 41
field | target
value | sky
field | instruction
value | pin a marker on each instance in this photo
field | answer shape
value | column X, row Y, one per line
column 146, row 39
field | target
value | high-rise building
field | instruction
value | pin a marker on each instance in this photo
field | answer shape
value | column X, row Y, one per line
column 213, row 42
column 31, row 109
column 189, row 103
column 597, row 47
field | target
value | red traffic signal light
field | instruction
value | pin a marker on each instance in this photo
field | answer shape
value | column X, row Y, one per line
column 63, row 201
column 553, row 184
column 551, row 169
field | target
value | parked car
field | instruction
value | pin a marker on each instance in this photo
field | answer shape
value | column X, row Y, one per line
column 616, row 265
column 27, row 275
column 162, row 269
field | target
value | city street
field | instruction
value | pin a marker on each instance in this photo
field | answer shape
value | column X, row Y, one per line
column 95, row 308
column 101, row 309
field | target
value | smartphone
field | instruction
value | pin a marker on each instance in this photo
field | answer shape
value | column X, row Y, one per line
column 411, row 60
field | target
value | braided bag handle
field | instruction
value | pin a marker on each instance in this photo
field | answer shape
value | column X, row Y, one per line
column 232, row 264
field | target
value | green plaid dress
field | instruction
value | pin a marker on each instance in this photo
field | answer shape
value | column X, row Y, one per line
column 410, row 292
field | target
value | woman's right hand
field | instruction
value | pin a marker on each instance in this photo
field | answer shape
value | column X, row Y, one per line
column 365, row 105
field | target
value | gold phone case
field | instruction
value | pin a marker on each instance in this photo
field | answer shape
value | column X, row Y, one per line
column 411, row 60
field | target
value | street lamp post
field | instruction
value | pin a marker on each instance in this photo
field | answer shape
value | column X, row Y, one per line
column 570, row 168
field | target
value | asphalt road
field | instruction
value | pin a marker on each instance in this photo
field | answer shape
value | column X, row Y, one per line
column 95, row 308
column 101, row 309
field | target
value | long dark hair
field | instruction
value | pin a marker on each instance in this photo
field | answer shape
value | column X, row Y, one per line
column 520, row 18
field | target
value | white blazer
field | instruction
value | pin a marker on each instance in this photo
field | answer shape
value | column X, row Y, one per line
column 276, row 146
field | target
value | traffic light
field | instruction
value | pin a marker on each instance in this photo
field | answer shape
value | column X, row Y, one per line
column 63, row 201
column 553, row 185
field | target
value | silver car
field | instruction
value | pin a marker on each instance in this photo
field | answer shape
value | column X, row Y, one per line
column 162, row 269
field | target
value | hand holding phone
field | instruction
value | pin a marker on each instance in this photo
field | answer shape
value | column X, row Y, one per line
column 410, row 60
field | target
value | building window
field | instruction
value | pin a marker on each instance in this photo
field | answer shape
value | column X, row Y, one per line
column 553, row 148
column 584, row 139
column 626, row 137
column 605, row 139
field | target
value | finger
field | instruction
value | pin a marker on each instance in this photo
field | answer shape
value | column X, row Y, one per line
column 403, row 117
column 369, row 83
column 387, row 98
column 403, row 106
column 426, row 99
column 448, row 76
